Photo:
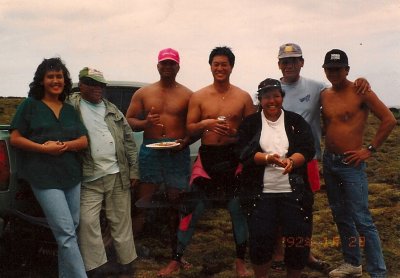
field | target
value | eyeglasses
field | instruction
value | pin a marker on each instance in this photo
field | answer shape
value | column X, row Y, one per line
column 287, row 61
column 93, row 83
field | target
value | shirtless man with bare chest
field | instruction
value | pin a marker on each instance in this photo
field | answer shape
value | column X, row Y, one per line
column 345, row 117
column 160, row 111
column 215, row 113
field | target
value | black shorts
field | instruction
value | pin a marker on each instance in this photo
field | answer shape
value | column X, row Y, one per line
column 280, row 209
column 220, row 163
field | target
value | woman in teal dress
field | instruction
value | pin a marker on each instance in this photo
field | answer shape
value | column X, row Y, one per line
column 49, row 134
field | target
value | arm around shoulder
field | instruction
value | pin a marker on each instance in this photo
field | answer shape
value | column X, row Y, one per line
column 362, row 86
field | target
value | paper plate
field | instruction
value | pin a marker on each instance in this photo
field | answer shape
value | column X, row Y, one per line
column 163, row 145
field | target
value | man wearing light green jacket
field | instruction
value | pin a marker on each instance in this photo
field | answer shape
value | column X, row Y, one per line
column 110, row 169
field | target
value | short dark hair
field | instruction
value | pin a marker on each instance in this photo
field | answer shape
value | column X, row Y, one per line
column 36, row 89
column 222, row 51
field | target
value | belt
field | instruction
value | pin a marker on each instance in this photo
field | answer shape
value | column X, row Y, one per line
column 335, row 156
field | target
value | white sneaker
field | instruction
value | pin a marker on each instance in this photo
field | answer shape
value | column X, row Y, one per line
column 346, row 270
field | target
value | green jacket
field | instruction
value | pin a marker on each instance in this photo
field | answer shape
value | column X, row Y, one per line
column 124, row 142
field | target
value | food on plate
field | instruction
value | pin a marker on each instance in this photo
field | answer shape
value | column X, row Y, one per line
column 163, row 145
column 166, row 144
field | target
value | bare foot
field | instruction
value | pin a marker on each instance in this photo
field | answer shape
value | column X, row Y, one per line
column 185, row 264
column 241, row 270
column 172, row 267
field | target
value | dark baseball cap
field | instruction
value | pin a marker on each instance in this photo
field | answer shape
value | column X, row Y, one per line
column 335, row 58
column 269, row 83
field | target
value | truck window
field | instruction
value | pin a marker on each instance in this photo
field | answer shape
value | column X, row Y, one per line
column 120, row 96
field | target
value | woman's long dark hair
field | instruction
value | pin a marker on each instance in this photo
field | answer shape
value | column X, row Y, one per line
column 36, row 88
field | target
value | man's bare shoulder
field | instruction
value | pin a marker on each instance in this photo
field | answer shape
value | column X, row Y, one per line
column 149, row 88
column 240, row 92
column 326, row 91
column 156, row 88
column 208, row 93
column 373, row 101
column 349, row 89
column 210, row 89
column 183, row 90
column 203, row 92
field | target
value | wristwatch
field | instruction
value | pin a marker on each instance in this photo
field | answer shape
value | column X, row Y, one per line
column 371, row 148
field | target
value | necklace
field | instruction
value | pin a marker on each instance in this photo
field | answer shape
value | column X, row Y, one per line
column 223, row 94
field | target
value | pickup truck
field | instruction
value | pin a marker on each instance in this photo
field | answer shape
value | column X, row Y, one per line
column 24, row 232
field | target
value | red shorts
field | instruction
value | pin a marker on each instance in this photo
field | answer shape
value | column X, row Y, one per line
column 313, row 175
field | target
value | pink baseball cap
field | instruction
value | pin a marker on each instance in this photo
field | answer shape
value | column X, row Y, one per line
column 168, row 54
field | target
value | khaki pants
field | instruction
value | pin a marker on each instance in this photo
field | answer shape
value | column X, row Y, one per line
column 118, row 213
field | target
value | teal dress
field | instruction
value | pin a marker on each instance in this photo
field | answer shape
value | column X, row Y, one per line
column 37, row 122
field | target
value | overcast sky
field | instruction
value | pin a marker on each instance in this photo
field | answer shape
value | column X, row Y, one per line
column 122, row 38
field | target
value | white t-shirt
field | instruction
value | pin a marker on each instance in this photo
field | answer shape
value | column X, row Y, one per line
column 274, row 140
column 102, row 145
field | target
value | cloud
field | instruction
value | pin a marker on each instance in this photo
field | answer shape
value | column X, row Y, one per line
column 122, row 38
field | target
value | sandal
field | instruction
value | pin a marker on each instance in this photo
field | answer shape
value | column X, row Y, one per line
column 320, row 266
column 278, row 265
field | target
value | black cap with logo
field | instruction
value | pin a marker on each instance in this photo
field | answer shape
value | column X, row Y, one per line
column 335, row 58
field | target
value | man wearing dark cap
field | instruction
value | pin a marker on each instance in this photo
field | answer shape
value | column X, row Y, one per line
column 303, row 97
column 160, row 111
column 344, row 161
column 109, row 170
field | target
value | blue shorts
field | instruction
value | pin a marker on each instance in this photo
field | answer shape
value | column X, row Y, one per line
column 164, row 166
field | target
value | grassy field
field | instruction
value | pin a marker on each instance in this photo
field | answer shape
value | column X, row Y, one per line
column 8, row 106
column 212, row 251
